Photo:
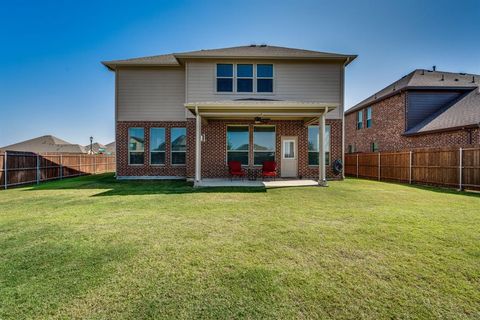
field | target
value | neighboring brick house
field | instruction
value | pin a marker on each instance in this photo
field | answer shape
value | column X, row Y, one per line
column 424, row 109
column 185, row 115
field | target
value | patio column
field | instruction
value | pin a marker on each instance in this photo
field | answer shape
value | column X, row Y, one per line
column 322, row 180
column 198, row 148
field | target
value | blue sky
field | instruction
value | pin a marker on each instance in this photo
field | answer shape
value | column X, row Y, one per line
column 52, row 82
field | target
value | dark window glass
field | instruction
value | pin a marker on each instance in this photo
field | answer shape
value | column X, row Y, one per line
column 157, row 158
column 224, row 84
column 238, row 144
column 244, row 70
column 244, row 85
column 374, row 147
column 264, row 85
column 238, row 156
column 225, row 70
column 261, row 157
column 178, row 157
column 313, row 145
column 264, row 70
column 136, row 158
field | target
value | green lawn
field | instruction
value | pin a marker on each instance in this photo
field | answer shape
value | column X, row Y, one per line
column 92, row 247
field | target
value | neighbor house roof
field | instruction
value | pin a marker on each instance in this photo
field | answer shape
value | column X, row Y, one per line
column 421, row 79
column 246, row 52
column 96, row 146
column 44, row 144
column 110, row 147
column 462, row 113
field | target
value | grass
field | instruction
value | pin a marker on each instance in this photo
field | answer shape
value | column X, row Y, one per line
column 93, row 247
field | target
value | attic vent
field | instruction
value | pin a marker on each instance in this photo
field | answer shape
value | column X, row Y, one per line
column 473, row 79
column 253, row 45
column 456, row 79
column 263, row 45
column 423, row 72
column 443, row 77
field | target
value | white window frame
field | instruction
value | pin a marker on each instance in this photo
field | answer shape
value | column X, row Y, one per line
column 226, row 143
column 171, row 149
column 266, row 78
column 368, row 117
column 294, row 149
column 128, row 147
column 164, row 151
column 264, row 151
column 234, row 72
column 360, row 119
column 235, row 78
column 246, row 78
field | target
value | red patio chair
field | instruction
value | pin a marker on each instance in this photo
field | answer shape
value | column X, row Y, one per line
column 269, row 169
column 235, row 169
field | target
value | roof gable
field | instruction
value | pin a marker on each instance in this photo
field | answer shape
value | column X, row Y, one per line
column 246, row 52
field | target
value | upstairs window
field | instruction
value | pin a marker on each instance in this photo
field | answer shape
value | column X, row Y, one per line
column 369, row 117
column 264, row 77
column 360, row 119
column 224, row 77
column 374, row 147
column 244, row 77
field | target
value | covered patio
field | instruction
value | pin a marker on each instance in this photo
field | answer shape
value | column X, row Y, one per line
column 258, row 110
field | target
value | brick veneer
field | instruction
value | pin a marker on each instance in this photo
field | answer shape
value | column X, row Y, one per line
column 214, row 148
column 388, row 126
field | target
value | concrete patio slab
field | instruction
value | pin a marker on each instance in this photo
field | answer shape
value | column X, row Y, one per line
column 279, row 183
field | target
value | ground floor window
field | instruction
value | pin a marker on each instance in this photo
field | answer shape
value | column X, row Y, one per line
column 263, row 144
column 238, row 144
column 178, row 138
column 313, row 145
column 136, row 141
column 157, row 146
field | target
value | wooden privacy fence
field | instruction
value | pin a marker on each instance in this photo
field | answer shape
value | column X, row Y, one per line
column 459, row 168
column 19, row 168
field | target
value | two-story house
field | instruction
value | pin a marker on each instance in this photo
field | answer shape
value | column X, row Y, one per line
column 424, row 109
column 186, row 115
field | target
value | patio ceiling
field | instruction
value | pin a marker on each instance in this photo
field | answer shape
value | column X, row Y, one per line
column 248, row 109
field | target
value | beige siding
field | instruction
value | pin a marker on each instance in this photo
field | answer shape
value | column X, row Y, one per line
column 151, row 94
column 293, row 81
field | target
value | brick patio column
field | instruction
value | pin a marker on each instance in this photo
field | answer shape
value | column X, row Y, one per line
column 198, row 147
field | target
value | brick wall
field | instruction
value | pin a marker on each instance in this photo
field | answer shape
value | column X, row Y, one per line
column 388, row 126
column 214, row 148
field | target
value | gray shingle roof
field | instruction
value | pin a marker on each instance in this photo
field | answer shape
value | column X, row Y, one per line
column 462, row 113
column 421, row 78
column 252, row 51
column 45, row 144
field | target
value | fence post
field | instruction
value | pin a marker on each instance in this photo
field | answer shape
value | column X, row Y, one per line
column 80, row 165
column 460, row 169
column 410, row 169
column 38, row 169
column 357, row 165
column 61, row 167
column 5, row 169
column 379, row 166
column 95, row 164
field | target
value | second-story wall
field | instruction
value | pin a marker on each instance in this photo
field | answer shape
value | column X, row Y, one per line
column 298, row 81
column 150, row 94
